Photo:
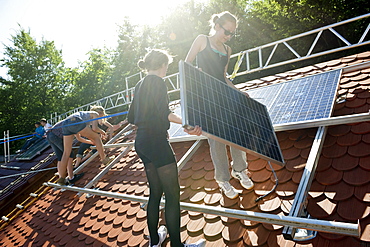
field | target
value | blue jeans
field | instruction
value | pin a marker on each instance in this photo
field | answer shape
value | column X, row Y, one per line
column 56, row 144
column 29, row 142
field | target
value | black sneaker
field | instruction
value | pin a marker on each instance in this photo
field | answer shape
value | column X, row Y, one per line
column 75, row 178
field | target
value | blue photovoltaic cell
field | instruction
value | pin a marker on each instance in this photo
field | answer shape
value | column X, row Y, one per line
column 303, row 99
column 227, row 114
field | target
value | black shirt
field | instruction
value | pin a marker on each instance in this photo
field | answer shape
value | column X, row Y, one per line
column 149, row 109
column 212, row 62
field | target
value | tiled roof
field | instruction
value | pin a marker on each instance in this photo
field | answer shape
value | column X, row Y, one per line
column 11, row 184
column 340, row 190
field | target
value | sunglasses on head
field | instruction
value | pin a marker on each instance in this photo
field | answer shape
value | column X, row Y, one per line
column 227, row 32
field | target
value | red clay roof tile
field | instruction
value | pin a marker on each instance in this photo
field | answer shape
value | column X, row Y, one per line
column 356, row 176
column 339, row 192
column 346, row 162
column 329, row 176
column 296, row 178
column 341, row 182
column 360, row 150
column 287, row 189
column 365, row 163
column 339, row 130
column 256, row 236
column 361, row 128
column 291, row 153
column 334, row 151
column 349, row 139
column 362, row 209
column 261, row 176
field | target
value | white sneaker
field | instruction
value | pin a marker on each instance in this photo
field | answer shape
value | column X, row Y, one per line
column 199, row 243
column 162, row 233
column 228, row 189
column 245, row 181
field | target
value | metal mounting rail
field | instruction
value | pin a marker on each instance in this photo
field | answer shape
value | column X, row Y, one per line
column 271, row 48
column 124, row 97
column 346, row 119
column 93, row 182
column 114, row 138
column 311, row 224
column 299, row 202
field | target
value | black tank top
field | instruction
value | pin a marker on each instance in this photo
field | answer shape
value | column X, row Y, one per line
column 212, row 62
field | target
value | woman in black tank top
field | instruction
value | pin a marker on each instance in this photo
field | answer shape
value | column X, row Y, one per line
column 212, row 56
column 150, row 112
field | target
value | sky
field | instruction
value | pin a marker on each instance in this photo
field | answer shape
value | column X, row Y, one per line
column 77, row 26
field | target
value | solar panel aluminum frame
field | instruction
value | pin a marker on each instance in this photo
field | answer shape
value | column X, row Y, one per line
column 186, row 124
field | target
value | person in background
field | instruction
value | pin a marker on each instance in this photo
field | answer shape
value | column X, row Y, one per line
column 55, row 138
column 79, row 123
column 149, row 111
column 45, row 124
column 37, row 136
column 84, row 146
column 212, row 56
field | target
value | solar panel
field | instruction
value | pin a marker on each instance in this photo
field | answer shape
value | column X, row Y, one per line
column 34, row 150
column 303, row 99
column 226, row 114
column 176, row 130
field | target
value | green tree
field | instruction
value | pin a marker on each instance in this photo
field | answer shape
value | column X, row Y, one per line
column 93, row 81
column 34, row 89
column 133, row 42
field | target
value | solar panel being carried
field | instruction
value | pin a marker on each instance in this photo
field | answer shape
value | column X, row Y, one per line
column 226, row 114
column 303, row 99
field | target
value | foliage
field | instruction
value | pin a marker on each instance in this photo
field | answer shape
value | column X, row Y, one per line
column 93, row 80
column 35, row 88
column 39, row 84
column 133, row 42
column 287, row 18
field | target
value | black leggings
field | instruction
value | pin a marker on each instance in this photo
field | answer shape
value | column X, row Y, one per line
column 164, row 179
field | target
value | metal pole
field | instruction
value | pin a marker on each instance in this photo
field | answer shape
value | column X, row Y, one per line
column 78, row 169
column 8, row 146
column 109, row 166
column 346, row 119
column 26, row 173
column 5, row 147
column 311, row 224
column 299, row 202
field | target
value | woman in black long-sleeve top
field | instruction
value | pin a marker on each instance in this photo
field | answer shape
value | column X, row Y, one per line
column 149, row 111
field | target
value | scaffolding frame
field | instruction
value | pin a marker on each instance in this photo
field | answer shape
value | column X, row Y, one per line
column 125, row 97
column 271, row 48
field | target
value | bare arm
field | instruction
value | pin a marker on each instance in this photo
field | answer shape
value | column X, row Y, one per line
column 79, row 138
column 172, row 117
column 198, row 45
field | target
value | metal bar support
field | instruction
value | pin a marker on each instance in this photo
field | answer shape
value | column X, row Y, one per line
column 299, row 202
column 108, row 167
column 317, row 225
column 29, row 172
column 78, row 169
column 346, row 119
